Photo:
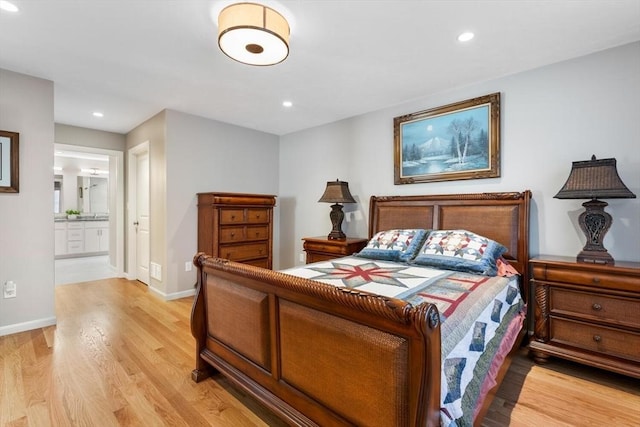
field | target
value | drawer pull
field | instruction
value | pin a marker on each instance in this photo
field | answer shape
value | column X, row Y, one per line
column 228, row 255
column 233, row 234
column 596, row 280
column 597, row 338
column 596, row 306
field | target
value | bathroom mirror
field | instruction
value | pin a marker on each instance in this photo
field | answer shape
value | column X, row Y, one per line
column 93, row 195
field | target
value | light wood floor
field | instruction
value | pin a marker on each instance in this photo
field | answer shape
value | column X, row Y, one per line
column 121, row 356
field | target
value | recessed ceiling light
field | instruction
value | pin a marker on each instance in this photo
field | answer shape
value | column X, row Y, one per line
column 8, row 6
column 97, row 114
column 287, row 104
column 466, row 36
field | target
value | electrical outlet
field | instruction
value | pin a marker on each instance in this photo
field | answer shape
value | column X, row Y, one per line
column 301, row 257
column 187, row 266
column 10, row 289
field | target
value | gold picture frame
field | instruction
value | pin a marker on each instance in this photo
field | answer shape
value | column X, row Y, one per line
column 454, row 142
column 9, row 162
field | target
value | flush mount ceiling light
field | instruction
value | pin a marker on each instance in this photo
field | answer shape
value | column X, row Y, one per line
column 253, row 34
column 8, row 6
column 466, row 36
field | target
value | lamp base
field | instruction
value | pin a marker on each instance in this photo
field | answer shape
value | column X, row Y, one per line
column 337, row 216
column 595, row 223
column 595, row 257
column 337, row 236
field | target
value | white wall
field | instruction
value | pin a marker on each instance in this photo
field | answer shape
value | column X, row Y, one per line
column 202, row 156
column 550, row 117
column 153, row 131
column 188, row 155
column 74, row 135
column 26, row 218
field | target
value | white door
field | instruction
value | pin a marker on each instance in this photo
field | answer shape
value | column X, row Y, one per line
column 142, row 217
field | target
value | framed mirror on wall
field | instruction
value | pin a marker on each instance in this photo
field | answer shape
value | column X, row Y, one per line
column 9, row 161
column 93, row 194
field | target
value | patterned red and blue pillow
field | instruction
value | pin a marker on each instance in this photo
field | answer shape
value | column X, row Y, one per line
column 460, row 250
column 394, row 245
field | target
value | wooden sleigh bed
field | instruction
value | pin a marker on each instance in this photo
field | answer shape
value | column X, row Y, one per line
column 291, row 343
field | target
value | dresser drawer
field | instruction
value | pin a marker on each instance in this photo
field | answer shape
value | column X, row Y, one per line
column 257, row 232
column 595, row 306
column 594, row 338
column 257, row 216
column 243, row 252
column 244, row 234
column 231, row 216
column 263, row 263
column 232, row 234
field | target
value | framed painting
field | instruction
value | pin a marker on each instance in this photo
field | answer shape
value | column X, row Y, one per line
column 9, row 162
column 453, row 142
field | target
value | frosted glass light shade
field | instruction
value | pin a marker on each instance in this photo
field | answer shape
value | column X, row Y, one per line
column 253, row 34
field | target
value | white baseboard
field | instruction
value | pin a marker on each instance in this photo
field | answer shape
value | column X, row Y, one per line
column 173, row 295
column 27, row 326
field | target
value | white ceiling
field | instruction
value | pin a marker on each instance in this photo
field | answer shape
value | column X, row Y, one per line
column 133, row 58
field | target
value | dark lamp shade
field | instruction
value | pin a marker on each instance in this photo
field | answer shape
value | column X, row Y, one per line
column 594, row 179
column 337, row 192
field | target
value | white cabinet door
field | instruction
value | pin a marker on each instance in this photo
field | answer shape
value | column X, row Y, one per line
column 96, row 236
column 104, row 239
column 91, row 240
column 61, row 238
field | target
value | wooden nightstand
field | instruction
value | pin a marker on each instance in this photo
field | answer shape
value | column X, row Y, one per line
column 322, row 249
column 588, row 313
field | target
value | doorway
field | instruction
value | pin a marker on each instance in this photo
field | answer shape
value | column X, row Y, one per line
column 104, row 240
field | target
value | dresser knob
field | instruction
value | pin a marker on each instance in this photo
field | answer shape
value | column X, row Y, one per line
column 233, row 234
column 596, row 280
column 597, row 338
column 596, row 306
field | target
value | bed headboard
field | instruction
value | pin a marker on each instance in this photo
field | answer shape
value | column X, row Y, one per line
column 503, row 217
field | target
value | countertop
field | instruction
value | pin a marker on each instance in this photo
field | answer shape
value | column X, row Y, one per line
column 82, row 219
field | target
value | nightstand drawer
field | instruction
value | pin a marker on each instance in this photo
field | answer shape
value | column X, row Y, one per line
column 324, row 249
column 594, row 306
column 584, row 277
column 317, row 257
column 594, row 338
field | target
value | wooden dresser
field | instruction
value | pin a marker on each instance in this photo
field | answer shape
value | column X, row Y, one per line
column 323, row 248
column 588, row 313
column 236, row 226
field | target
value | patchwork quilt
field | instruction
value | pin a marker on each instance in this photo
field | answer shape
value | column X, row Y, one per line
column 475, row 312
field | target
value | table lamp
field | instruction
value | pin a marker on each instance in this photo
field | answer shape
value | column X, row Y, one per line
column 594, row 179
column 337, row 192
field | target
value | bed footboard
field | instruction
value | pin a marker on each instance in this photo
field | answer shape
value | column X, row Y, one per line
column 315, row 354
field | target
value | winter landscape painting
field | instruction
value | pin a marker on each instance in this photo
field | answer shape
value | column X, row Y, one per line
column 457, row 141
